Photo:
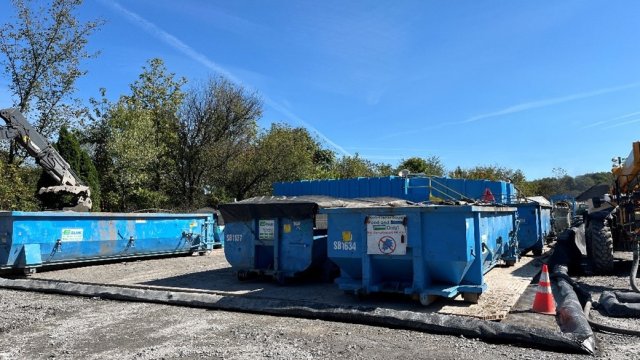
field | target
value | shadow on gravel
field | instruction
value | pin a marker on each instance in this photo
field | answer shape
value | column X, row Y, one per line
column 224, row 281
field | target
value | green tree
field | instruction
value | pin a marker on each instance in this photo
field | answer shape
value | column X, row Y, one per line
column 283, row 153
column 354, row 166
column 495, row 173
column 431, row 166
column 17, row 186
column 138, row 133
column 489, row 172
column 383, row 169
column 128, row 151
column 217, row 127
column 42, row 48
column 159, row 91
column 565, row 184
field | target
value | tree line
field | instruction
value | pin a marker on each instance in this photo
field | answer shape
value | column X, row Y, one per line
column 168, row 143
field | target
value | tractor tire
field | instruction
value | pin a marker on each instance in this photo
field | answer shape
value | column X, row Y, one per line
column 601, row 247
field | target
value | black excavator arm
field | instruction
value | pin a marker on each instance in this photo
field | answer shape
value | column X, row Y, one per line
column 20, row 130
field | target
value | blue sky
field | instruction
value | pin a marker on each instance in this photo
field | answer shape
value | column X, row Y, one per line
column 531, row 85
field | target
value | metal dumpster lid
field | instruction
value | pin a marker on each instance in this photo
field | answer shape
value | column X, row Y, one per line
column 296, row 207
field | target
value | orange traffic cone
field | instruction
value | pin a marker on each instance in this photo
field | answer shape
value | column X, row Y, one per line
column 544, row 302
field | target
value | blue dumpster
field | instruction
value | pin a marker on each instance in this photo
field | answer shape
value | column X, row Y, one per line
column 422, row 250
column 277, row 237
column 417, row 188
column 32, row 239
column 534, row 226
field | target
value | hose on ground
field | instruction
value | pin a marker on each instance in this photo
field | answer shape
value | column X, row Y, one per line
column 601, row 327
column 583, row 294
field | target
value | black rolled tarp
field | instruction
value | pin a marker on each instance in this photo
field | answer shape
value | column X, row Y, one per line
column 620, row 304
column 426, row 322
column 569, row 311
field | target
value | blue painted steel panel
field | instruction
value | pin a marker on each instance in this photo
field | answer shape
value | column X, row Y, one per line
column 416, row 189
column 32, row 239
column 397, row 187
column 534, row 227
column 334, row 187
column 448, row 248
column 287, row 251
column 353, row 189
column 281, row 188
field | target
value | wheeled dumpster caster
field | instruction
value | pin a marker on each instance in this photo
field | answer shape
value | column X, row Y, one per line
column 509, row 263
column 28, row 271
column 427, row 300
column 471, row 298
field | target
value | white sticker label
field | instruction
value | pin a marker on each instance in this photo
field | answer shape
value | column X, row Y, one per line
column 71, row 235
column 387, row 235
column 346, row 246
column 266, row 229
column 234, row 237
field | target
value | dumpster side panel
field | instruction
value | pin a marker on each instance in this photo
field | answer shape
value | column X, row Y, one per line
column 448, row 245
column 528, row 232
column 495, row 239
column 279, row 247
column 296, row 246
column 239, row 244
column 535, row 225
column 448, row 250
column 346, row 245
column 63, row 237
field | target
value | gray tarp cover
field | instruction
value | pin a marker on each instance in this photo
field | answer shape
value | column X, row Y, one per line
column 296, row 207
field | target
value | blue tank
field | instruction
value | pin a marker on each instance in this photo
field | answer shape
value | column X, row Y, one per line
column 33, row 239
column 425, row 251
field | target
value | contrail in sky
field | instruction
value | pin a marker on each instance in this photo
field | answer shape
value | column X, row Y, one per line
column 633, row 121
column 529, row 106
column 611, row 120
column 179, row 45
column 548, row 102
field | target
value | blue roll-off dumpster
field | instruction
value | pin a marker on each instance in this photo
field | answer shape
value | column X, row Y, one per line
column 535, row 225
column 420, row 250
column 278, row 237
column 418, row 188
column 32, row 239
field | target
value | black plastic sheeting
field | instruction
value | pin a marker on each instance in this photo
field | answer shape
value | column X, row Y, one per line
column 432, row 323
column 570, row 298
column 570, row 248
column 620, row 304
column 296, row 207
column 569, row 309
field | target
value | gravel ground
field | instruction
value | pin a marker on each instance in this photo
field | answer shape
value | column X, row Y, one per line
column 619, row 281
column 52, row 326
column 37, row 326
